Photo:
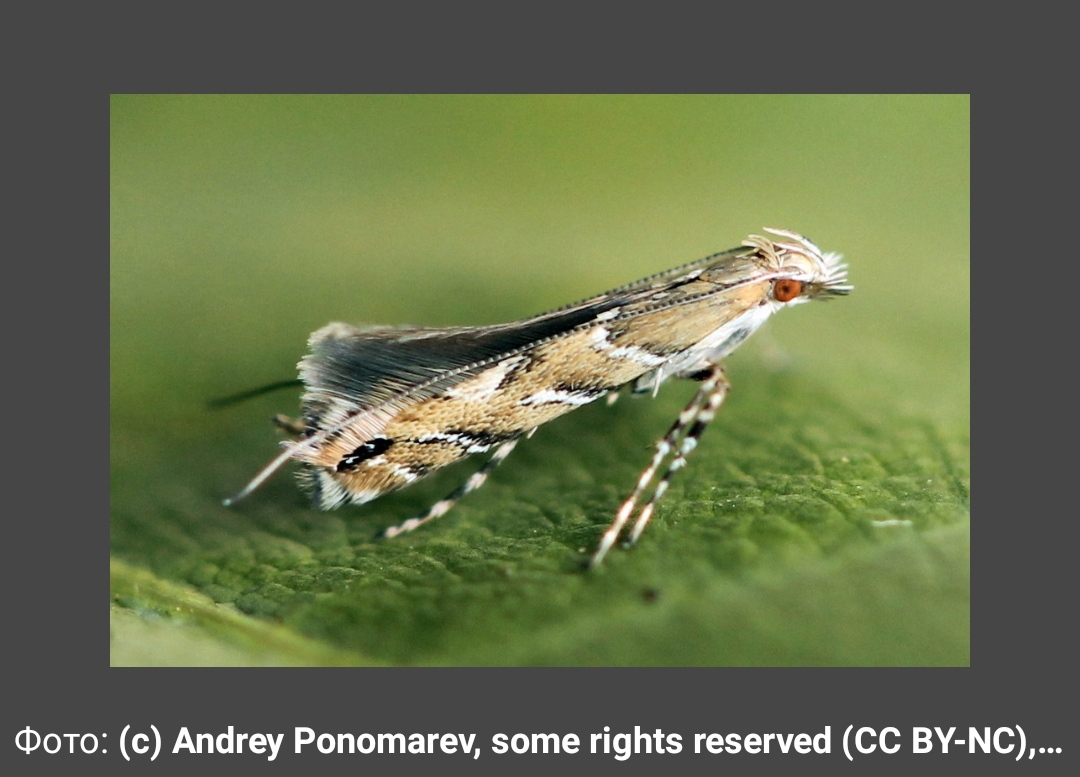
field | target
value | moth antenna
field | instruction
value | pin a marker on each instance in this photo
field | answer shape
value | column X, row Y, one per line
column 233, row 399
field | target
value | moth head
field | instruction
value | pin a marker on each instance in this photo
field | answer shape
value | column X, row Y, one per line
column 800, row 271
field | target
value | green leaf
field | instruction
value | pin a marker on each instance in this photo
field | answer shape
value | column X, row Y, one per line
column 823, row 520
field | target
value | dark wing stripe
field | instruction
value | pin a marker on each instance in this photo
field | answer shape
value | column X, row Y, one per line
column 659, row 280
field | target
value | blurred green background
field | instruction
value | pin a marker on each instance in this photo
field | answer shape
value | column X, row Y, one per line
column 824, row 520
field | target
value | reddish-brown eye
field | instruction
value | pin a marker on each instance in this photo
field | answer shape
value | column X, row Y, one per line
column 787, row 289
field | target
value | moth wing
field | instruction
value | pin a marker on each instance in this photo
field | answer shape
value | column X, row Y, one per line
column 359, row 378
column 352, row 369
column 359, row 369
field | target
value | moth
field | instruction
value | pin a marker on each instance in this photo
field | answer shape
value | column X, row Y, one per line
column 385, row 406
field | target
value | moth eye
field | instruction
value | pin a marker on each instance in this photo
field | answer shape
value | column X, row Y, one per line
column 787, row 289
column 368, row 450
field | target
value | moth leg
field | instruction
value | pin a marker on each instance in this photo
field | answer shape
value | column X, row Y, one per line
column 442, row 506
column 705, row 400
column 717, row 387
column 291, row 425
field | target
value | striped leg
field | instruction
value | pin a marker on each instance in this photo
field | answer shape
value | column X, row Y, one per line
column 291, row 425
column 443, row 505
column 717, row 388
column 695, row 416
